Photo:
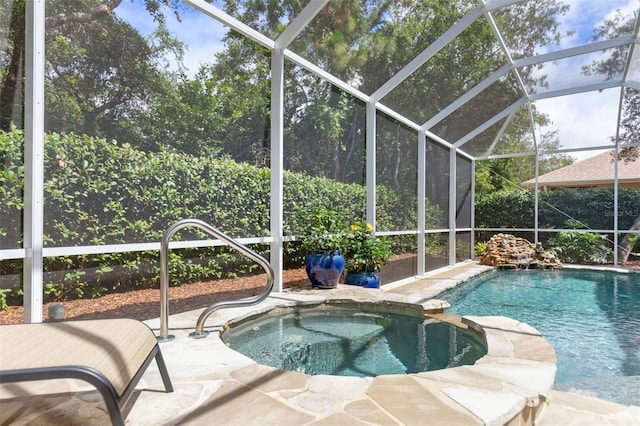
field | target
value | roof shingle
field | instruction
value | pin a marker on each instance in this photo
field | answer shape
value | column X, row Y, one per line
column 595, row 171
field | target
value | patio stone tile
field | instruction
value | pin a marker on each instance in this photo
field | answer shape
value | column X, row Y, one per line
column 533, row 348
column 270, row 379
column 529, row 378
column 462, row 376
column 369, row 412
column 60, row 409
column 413, row 404
column 237, row 404
column 339, row 419
column 569, row 409
column 316, row 403
column 154, row 408
column 340, row 387
column 494, row 408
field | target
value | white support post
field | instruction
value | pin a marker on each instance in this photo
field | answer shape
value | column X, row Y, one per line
column 277, row 165
column 34, row 161
column 536, row 207
column 615, row 205
column 473, row 209
column 371, row 163
column 616, row 235
column 422, row 194
column 452, row 206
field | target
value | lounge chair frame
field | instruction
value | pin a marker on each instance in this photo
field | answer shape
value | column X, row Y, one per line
column 114, row 401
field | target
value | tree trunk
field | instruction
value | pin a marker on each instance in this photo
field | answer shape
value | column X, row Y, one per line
column 11, row 89
column 626, row 245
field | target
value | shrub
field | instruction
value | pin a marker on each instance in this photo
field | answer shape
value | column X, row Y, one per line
column 479, row 248
column 101, row 192
column 580, row 247
column 363, row 251
column 592, row 206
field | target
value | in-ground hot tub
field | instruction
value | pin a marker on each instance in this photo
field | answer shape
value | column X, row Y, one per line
column 368, row 341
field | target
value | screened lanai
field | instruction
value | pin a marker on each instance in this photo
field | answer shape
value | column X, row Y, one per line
column 127, row 116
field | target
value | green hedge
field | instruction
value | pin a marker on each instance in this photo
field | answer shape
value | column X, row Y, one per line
column 593, row 207
column 100, row 192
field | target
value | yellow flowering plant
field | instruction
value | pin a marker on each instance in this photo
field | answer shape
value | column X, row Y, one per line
column 322, row 229
column 363, row 251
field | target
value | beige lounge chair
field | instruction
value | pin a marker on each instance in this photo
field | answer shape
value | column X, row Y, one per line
column 112, row 355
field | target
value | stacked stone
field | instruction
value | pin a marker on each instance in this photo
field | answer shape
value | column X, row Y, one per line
column 509, row 251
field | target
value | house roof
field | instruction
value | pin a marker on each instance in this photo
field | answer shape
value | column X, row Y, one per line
column 594, row 171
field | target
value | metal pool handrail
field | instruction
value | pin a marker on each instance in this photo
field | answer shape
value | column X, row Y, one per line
column 164, row 278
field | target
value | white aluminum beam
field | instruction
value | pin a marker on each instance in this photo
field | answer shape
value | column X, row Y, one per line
column 428, row 53
column 556, row 151
column 34, row 161
column 575, row 90
column 503, row 129
column 473, row 208
column 510, row 155
column 572, row 51
column 452, row 206
column 505, row 50
column 422, row 195
column 496, row 4
column 465, row 154
column 371, row 163
column 536, row 97
column 536, row 144
column 299, row 22
column 490, row 122
column 477, row 89
column 314, row 69
column 536, row 206
column 231, row 22
column 397, row 116
column 12, row 254
column 277, row 166
column 615, row 173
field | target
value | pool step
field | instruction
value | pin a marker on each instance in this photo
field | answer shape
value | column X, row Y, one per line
column 361, row 350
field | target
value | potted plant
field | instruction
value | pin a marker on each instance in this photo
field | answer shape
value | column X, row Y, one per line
column 323, row 234
column 364, row 254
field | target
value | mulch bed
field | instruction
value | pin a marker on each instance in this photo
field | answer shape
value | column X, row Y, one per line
column 145, row 304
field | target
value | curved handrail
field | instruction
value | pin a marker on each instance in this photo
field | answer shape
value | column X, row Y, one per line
column 164, row 278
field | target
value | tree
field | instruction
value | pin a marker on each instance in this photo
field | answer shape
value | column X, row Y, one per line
column 507, row 173
column 222, row 111
column 98, row 67
column 611, row 66
column 100, row 77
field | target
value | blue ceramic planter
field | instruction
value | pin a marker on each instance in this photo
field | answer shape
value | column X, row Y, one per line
column 363, row 279
column 324, row 268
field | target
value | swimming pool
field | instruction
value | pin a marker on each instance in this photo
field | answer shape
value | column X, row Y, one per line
column 591, row 318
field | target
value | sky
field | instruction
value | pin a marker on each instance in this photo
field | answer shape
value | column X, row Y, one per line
column 201, row 34
column 583, row 119
column 588, row 118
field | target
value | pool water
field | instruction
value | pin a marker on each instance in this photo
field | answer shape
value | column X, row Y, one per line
column 591, row 318
column 353, row 343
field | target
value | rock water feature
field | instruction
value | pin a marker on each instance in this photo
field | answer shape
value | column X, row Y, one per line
column 511, row 252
